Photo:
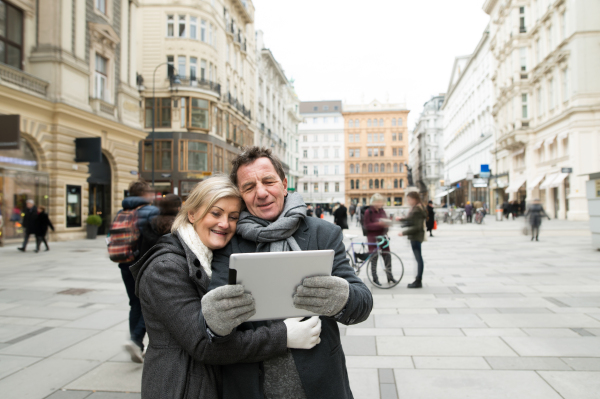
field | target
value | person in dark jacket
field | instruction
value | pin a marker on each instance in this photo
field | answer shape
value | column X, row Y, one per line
column 160, row 225
column 309, row 210
column 415, row 233
column 318, row 211
column 469, row 212
column 29, row 219
column 430, row 218
column 375, row 226
column 352, row 211
column 192, row 313
column 41, row 228
column 140, row 197
column 535, row 213
column 340, row 216
column 276, row 220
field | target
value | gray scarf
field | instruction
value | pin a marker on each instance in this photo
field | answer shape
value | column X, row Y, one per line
column 278, row 233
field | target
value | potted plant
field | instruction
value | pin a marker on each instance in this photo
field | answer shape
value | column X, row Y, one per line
column 93, row 222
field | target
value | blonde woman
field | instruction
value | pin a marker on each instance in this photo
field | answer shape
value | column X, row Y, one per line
column 191, row 328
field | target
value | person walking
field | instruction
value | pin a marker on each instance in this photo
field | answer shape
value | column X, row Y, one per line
column 29, row 219
column 376, row 227
column 535, row 213
column 309, row 210
column 352, row 211
column 430, row 218
column 42, row 223
column 319, row 211
column 160, row 225
column 469, row 212
column 340, row 216
column 139, row 202
column 415, row 233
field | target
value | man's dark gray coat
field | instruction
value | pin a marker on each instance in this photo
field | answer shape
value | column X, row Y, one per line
column 322, row 369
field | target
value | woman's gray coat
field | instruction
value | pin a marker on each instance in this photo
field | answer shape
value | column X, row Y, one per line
column 182, row 358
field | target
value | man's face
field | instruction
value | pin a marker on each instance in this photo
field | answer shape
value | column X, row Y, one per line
column 262, row 189
column 29, row 205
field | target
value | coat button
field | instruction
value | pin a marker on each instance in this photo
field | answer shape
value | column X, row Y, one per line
column 199, row 274
column 196, row 263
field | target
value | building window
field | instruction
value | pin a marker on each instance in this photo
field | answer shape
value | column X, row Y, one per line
column 393, row 121
column 326, row 169
column 325, row 153
column 203, row 30
column 315, row 153
column 350, row 138
column 401, row 183
column 401, row 168
column 400, row 122
column 73, row 206
column 325, row 108
column 181, row 31
column 524, row 106
column 357, row 153
column 381, row 124
column 305, row 187
column 522, row 28
column 551, row 94
column 218, row 162
column 352, row 184
column 163, row 155
column 337, row 187
column 381, row 151
column 305, row 170
column 193, row 27
column 305, row 154
column 316, row 187
column 376, row 168
column 336, row 169
column 316, row 170
column 162, row 117
column 193, row 156
column 351, row 153
column 357, row 138
column 356, row 123
column 399, row 136
column 170, row 26
column 563, row 24
column 565, row 84
column 369, row 152
column 393, row 136
column 368, row 123
column 370, row 183
column 369, row 137
column 395, row 183
column 381, row 137
column 305, row 139
column 193, row 68
column 370, row 168
column 538, row 51
column 351, row 168
column 395, row 168
column 101, row 78
column 350, row 123
column 540, row 102
column 376, row 183
column 523, row 58
column 326, row 189
column 198, row 110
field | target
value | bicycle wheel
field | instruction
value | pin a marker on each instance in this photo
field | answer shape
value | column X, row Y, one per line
column 354, row 266
column 381, row 277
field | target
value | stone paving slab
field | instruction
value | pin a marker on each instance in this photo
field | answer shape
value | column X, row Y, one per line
column 574, row 385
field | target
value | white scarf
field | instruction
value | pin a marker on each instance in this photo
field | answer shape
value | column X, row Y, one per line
column 202, row 252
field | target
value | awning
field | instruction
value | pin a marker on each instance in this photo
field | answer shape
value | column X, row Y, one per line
column 535, row 181
column 516, row 184
column 444, row 193
column 548, row 182
column 557, row 180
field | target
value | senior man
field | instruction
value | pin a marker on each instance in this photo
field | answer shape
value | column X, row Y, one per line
column 276, row 220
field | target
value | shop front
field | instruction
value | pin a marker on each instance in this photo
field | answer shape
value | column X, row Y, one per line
column 20, row 180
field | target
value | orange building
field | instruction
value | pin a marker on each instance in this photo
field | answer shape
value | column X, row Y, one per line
column 376, row 145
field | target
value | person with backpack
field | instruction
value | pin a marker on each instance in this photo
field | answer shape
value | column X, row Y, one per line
column 159, row 226
column 126, row 236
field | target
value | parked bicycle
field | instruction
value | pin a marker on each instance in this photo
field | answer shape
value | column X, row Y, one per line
column 361, row 256
column 479, row 216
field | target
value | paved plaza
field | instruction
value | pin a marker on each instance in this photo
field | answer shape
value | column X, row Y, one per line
column 499, row 317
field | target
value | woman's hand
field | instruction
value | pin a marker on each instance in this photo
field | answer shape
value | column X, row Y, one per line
column 400, row 234
column 303, row 334
column 227, row 307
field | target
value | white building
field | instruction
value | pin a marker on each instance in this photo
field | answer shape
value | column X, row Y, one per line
column 277, row 113
column 428, row 164
column 548, row 99
column 469, row 124
column 322, row 152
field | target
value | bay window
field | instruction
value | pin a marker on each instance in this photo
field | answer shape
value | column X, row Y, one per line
column 193, row 156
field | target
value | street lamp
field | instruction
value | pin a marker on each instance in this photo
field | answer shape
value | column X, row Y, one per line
column 175, row 80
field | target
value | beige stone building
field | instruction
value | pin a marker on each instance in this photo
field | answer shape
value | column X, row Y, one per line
column 197, row 59
column 67, row 70
column 376, row 145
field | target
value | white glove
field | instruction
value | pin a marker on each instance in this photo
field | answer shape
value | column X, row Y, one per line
column 303, row 334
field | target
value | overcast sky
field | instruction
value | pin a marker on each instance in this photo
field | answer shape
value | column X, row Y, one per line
column 356, row 50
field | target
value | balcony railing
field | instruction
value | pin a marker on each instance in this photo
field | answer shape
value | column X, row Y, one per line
column 238, row 105
column 23, row 79
column 192, row 81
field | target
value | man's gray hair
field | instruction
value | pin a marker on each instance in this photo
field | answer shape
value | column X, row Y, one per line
column 30, row 201
column 251, row 154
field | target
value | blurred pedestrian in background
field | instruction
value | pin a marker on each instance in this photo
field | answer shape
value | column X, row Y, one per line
column 352, row 211
column 340, row 216
column 160, row 225
column 415, row 232
column 535, row 213
column 42, row 223
column 319, row 211
column 430, row 218
column 309, row 210
column 469, row 212
column 29, row 218
column 375, row 226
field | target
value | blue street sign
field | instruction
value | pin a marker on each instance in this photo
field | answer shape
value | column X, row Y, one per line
column 485, row 171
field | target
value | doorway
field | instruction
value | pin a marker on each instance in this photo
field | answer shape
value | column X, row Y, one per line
column 100, row 193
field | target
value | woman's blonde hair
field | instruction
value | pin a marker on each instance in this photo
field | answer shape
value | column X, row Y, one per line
column 206, row 193
column 376, row 197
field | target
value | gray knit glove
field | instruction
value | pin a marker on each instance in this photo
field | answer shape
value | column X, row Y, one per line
column 227, row 307
column 322, row 295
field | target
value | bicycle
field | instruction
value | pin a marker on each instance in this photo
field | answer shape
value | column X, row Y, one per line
column 379, row 257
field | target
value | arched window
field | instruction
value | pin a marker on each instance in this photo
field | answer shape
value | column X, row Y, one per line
column 357, row 184
column 370, row 183
column 352, row 169
column 370, row 168
column 357, row 168
column 395, row 183
column 352, row 184
column 389, row 168
column 350, row 123
column 401, row 183
column 381, row 123
column 395, row 168
column 364, row 168
column 376, row 168
column 381, row 181
column 393, row 121
column 374, row 122
column 368, row 123
column 356, row 123
column 400, row 121
column 382, row 168
column 401, row 167
column 376, row 183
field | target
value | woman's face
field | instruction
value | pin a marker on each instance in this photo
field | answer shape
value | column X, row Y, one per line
column 411, row 201
column 217, row 227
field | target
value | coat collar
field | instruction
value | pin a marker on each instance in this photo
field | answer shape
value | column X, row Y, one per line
column 302, row 237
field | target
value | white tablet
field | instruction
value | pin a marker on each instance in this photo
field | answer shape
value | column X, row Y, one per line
column 272, row 278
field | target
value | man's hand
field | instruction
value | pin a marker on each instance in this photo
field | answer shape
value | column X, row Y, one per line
column 227, row 307
column 303, row 334
column 400, row 234
column 323, row 295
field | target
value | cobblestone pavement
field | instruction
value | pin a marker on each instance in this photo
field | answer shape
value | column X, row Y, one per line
column 499, row 317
